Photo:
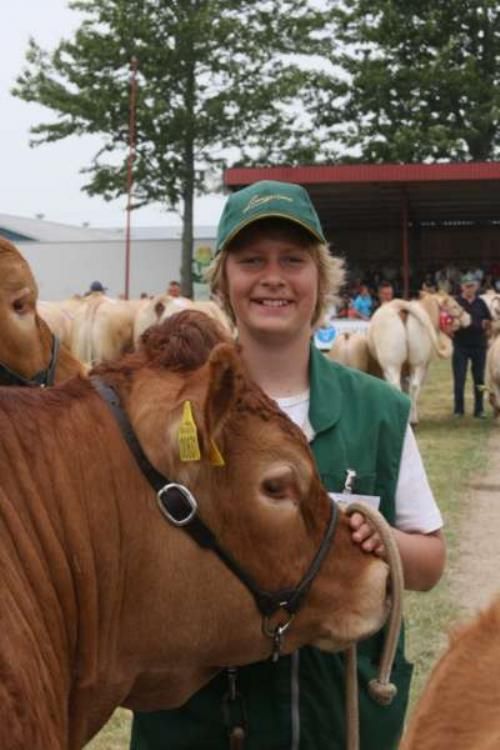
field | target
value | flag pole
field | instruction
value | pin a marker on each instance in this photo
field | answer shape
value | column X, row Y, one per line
column 130, row 161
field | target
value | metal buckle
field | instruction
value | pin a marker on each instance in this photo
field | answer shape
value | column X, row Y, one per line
column 193, row 505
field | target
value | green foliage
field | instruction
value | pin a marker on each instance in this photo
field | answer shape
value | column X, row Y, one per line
column 420, row 80
column 212, row 75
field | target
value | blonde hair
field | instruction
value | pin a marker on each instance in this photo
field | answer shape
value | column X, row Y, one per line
column 331, row 277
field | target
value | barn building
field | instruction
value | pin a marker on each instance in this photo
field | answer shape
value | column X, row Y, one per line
column 67, row 259
column 413, row 218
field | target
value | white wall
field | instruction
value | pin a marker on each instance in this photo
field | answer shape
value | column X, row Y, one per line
column 67, row 268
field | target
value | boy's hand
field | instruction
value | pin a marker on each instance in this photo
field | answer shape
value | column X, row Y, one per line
column 365, row 535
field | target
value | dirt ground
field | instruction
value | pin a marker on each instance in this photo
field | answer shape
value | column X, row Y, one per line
column 476, row 574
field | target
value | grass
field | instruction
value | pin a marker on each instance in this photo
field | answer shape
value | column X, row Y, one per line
column 453, row 451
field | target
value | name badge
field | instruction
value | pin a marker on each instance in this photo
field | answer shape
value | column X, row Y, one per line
column 348, row 498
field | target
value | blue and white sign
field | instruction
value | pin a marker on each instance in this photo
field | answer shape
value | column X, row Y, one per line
column 325, row 336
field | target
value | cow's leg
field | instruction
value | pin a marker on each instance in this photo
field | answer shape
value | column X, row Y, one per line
column 416, row 379
column 393, row 376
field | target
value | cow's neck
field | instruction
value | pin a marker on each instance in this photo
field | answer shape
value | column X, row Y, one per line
column 28, row 348
column 67, row 365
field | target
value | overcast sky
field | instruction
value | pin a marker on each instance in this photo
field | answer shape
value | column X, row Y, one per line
column 46, row 179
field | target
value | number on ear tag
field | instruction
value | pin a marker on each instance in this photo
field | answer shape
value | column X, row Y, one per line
column 187, row 436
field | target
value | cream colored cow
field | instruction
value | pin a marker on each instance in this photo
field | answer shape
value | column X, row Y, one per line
column 492, row 299
column 493, row 369
column 352, row 350
column 404, row 336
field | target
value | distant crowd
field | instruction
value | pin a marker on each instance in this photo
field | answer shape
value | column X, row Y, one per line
column 364, row 294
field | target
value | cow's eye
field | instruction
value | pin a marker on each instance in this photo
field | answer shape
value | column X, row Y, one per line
column 275, row 488
column 19, row 305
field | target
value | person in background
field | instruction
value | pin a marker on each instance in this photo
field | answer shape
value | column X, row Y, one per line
column 362, row 304
column 174, row 289
column 385, row 292
column 276, row 277
column 96, row 286
column 470, row 343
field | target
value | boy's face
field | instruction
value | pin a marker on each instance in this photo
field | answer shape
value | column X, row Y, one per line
column 272, row 283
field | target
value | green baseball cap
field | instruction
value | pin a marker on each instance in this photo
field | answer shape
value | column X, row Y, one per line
column 469, row 278
column 264, row 199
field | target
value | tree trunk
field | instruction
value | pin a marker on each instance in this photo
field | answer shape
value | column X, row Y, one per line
column 187, row 234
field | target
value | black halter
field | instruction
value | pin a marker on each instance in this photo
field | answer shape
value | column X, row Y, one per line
column 41, row 379
column 180, row 507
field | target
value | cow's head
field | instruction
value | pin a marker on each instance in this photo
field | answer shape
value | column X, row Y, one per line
column 252, row 474
column 459, row 318
column 25, row 343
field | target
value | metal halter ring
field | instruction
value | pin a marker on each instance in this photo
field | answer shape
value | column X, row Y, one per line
column 276, row 633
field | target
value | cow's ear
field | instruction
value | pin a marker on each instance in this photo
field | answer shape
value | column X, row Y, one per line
column 225, row 382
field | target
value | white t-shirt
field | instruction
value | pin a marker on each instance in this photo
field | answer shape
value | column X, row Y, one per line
column 416, row 509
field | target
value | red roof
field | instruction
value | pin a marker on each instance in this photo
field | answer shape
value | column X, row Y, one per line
column 351, row 195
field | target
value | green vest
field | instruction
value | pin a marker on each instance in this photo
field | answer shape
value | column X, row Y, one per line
column 298, row 703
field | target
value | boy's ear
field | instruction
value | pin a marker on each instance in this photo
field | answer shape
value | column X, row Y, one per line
column 225, row 385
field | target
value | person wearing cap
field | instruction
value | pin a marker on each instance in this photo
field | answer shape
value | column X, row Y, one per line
column 470, row 344
column 96, row 286
column 276, row 277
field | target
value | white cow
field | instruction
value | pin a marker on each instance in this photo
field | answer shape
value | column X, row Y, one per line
column 493, row 369
column 59, row 316
column 351, row 349
column 404, row 336
column 492, row 299
column 158, row 308
column 103, row 328
column 153, row 311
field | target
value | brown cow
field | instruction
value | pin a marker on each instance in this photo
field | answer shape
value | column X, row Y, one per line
column 459, row 708
column 26, row 342
column 103, row 602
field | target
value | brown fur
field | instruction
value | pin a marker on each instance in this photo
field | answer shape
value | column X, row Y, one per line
column 102, row 601
column 26, row 340
column 459, row 706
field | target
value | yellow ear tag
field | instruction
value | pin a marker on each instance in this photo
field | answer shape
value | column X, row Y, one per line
column 215, row 455
column 189, row 448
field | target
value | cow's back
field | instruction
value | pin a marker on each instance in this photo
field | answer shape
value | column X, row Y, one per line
column 387, row 339
column 458, row 708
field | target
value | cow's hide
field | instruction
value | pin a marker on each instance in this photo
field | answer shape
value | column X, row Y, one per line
column 458, row 708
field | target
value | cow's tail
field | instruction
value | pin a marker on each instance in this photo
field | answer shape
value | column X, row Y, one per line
column 440, row 343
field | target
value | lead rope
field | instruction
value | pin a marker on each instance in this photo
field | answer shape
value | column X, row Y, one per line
column 381, row 689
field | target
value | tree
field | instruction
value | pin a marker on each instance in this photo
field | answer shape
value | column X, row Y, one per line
column 420, row 80
column 213, row 75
